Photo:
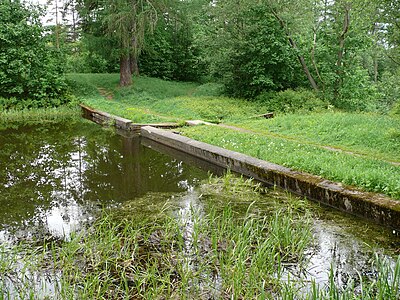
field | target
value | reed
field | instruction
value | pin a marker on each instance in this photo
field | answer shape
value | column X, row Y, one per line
column 39, row 116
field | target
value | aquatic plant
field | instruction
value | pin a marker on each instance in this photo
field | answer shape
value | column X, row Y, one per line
column 15, row 118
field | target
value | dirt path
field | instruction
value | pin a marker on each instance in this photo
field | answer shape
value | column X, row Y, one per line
column 105, row 93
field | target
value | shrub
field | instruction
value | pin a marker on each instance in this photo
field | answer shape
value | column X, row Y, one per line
column 396, row 109
column 390, row 91
column 209, row 89
column 290, row 101
column 30, row 69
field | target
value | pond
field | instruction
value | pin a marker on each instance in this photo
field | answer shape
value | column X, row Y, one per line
column 56, row 179
column 53, row 178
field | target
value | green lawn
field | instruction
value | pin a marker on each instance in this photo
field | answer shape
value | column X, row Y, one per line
column 369, row 134
column 370, row 174
column 298, row 141
column 151, row 99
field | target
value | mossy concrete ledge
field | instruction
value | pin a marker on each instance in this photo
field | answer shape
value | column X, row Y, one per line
column 103, row 118
column 377, row 207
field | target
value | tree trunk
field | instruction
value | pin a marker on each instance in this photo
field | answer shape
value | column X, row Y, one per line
column 125, row 75
column 342, row 37
column 57, row 28
column 133, row 57
column 299, row 57
column 375, row 52
column 134, row 65
column 315, row 29
column 376, row 68
column 304, row 65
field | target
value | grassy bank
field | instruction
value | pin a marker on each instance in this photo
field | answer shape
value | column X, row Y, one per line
column 307, row 141
column 151, row 99
column 370, row 174
column 371, row 135
column 12, row 118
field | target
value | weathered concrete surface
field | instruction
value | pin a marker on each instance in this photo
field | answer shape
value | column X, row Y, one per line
column 380, row 208
column 197, row 122
column 183, row 156
column 104, row 118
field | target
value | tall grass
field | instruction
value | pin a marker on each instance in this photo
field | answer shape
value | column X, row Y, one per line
column 198, row 253
column 39, row 116
column 220, row 254
column 384, row 286
column 369, row 174
column 203, row 252
column 369, row 134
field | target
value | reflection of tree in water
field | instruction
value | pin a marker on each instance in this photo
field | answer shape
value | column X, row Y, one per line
column 58, row 173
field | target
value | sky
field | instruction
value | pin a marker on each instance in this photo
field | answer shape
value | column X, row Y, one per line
column 49, row 18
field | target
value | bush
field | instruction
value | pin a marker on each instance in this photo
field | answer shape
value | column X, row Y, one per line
column 357, row 92
column 390, row 90
column 290, row 101
column 209, row 89
column 20, row 104
column 30, row 69
column 396, row 109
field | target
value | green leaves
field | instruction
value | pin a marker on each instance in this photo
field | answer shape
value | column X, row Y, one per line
column 30, row 69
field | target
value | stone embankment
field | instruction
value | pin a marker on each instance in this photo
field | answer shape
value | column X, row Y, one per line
column 376, row 207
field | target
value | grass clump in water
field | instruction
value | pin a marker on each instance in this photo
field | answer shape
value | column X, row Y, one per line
column 385, row 285
column 35, row 116
column 224, row 251
column 216, row 254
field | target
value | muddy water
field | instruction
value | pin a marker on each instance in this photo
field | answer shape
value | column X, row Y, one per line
column 56, row 178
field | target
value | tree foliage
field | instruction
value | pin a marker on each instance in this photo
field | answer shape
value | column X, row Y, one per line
column 29, row 67
column 247, row 49
column 126, row 24
column 171, row 52
column 347, row 51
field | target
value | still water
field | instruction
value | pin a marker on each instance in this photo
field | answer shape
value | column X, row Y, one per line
column 56, row 178
column 53, row 178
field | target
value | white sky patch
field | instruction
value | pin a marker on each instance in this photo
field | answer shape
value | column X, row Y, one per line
column 50, row 17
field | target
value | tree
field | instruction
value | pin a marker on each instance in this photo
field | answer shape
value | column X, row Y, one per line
column 29, row 68
column 390, row 12
column 127, row 23
column 276, row 7
column 170, row 52
column 246, row 48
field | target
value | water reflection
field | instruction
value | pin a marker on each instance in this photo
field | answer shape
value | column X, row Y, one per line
column 345, row 244
column 55, row 177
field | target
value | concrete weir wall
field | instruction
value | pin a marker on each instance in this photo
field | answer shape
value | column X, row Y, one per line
column 103, row 118
column 373, row 206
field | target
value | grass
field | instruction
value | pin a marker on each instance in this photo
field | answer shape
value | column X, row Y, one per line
column 298, row 141
column 170, row 254
column 368, row 134
column 39, row 116
column 370, row 174
column 150, row 99
column 385, row 285
column 162, row 258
